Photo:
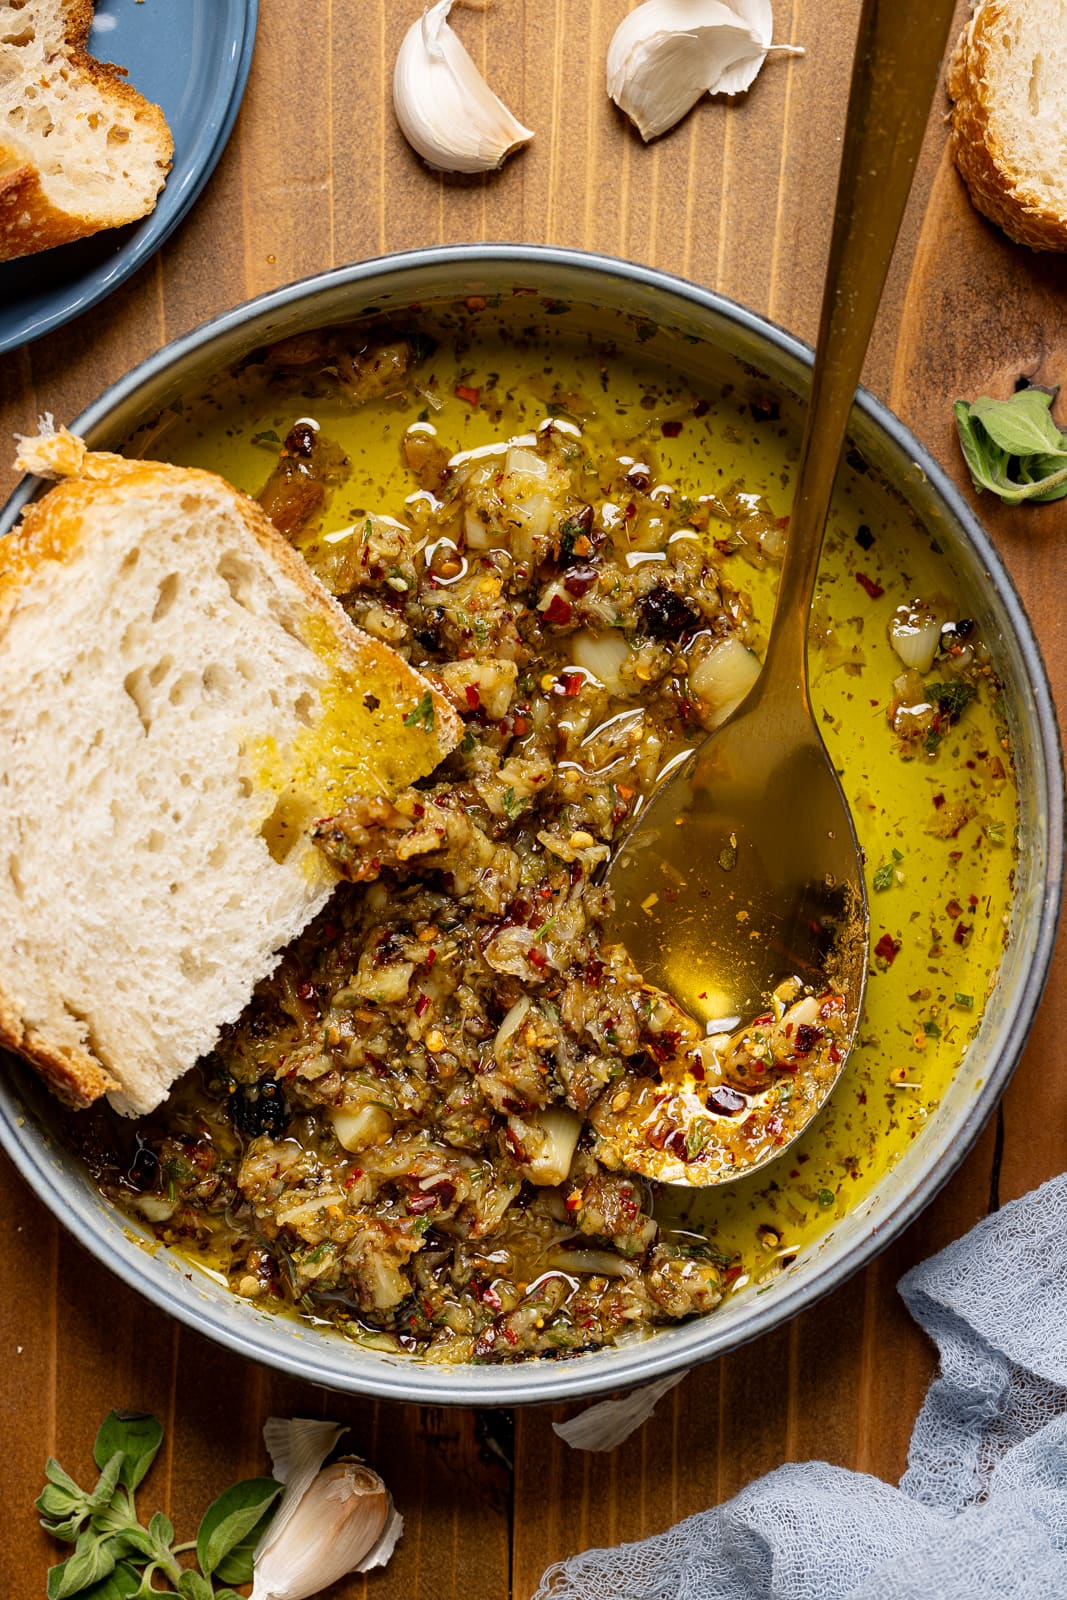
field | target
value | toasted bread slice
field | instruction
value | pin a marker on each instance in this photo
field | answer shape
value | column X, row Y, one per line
column 80, row 149
column 1008, row 82
column 179, row 700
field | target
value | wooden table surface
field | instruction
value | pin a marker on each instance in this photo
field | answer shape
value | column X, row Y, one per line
column 737, row 198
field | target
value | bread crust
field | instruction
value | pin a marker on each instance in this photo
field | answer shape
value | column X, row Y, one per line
column 29, row 221
column 73, row 1077
column 977, row 146
column 54, row 530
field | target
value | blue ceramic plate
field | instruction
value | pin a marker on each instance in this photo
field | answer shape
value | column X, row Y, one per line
column 191, row 57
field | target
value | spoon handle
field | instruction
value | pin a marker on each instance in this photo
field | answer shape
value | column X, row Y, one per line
column 899, row 48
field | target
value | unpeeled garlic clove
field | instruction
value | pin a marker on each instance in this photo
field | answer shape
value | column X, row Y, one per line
column 330, row 1521
column 444, row 106
column 666, row 54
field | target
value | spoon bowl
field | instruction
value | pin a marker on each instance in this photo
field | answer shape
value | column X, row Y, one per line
column 744, row 870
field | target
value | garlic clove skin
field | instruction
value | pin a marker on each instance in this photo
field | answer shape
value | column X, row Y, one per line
column 666, row 54
column 605, row 1425
column 445, row 108
column 344, row 1522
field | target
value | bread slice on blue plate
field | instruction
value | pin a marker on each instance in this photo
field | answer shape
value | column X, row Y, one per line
column 80, row 148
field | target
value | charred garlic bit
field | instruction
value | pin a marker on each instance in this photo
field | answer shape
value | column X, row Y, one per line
column 330, row 1521
column 445, row 108
column 667, row 54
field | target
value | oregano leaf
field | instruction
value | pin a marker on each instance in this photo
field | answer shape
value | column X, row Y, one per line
column 66, row 1532
column 236, row 1565
column 230, row 1519
column 191, row 1586
column 122, row 1584
column 986, row 463
column 161, row 1531
column 1023, row 425
column 62, row 1480
column 137, row 1434
column 107, row 1483
column 94, row 1558
column 1013, row 447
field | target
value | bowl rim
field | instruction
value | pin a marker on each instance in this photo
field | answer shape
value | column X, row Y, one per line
column 671, row 1351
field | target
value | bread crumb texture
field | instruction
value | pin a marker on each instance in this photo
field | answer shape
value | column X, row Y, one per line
column 80, row 149
column 179, row 698
column 1008, row 81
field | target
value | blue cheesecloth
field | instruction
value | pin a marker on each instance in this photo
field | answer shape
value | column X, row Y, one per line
column 980, row 1513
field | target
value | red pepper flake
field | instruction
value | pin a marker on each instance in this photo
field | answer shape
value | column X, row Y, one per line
column 764, row 1021
column 558, row 611
column 888, row 948
column 939, row 801
column 538, row 960
column 875, row 590
column 420, row 1203
column 732, row 1274
column 306, row 990
column 421, row 1003
column 418, row 810
column 520, row 724
column 353, row 1177
column 670, row 429
column 510, row 1335
column 570, row 683
column 463, row 391
column 475, row 302
column 431, row 957
column 491, row 1299
column 472, row 697
column 953, row 908
column 834, row 1055
column 972, row 901
column 962, row 933
column 630, row 512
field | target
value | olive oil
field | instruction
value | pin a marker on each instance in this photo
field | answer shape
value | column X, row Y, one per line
column 937, row 825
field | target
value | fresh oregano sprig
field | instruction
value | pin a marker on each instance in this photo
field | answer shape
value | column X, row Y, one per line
column 1013, row 447
column 115, row 1556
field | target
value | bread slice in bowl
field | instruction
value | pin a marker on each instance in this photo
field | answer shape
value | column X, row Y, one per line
column 180, row 699
column 80, row 148
column 1008, row 82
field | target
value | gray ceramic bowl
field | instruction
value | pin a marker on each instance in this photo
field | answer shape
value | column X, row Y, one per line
column 709, row 332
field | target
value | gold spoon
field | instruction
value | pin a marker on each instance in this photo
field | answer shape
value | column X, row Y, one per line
column 744, row 868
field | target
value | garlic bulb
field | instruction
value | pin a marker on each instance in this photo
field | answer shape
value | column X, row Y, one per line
column 666, row 54
column 330, row 1521
column 444, row 106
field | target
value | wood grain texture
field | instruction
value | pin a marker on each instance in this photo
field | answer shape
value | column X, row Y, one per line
column 738, row 198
